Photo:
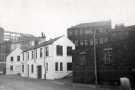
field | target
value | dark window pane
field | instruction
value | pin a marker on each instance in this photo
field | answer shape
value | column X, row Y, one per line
column 69, row 51
column 18, row 58
column 61, row 66
column 56, row 66
column 12, row 58
column 11, row 68
column 32, row 68
column 69, row 66
column 47, row 51
column 22, row 68
column 41, row 52
column 59, row 50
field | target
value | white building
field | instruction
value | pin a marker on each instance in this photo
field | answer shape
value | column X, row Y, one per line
column 13, row 62
column 49, row 60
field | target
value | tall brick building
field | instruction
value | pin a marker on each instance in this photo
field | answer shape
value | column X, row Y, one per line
column 115, row 55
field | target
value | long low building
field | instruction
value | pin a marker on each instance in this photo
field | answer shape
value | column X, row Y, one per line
column 51, row 59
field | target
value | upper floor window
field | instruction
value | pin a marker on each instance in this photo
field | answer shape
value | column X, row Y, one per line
column 36, row 53
column 28, row 55
column 41, row 52
column 32, row 54
column 18, row 58
column 69, row 51
column 47, row 51
column 12, row 59
column 23, row 55
column 59, row 50
column 108, row 55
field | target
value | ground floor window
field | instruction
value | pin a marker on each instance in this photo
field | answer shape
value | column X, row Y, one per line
column 56, row 66
column 32, row 68
column 22, row 68
column 11, row 68
column 61, row 66
column 69, row 66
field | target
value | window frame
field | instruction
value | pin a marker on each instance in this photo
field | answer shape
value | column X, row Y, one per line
column 108, row 56
column 32, row 68
column 61, row 66
column 56, row 66
column 68, row 66
column 41, row 52
column 11, row 58
column 69, row 51
column 18, row 58
column 59, row 50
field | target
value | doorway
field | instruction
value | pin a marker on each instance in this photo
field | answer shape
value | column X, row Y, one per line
column 39, row 72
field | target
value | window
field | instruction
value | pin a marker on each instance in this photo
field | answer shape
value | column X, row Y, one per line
column 32, row 54
column 47, row 51
column 59, row 50
column 32, row 68
column 18, row 58
column 11, row 68
column 12, row 59
column 41, row 52
column 101, row 41
column 61, row 66
column 91, row 42
column 28, row 55
column 22, row 68
column 69, row 51
column 85, row 42
column 36, row 53
column 69, row 66
column 23, row 56
column 108, row 55
column 56, row 66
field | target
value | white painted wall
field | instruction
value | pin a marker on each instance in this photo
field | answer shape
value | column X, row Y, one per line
column 51, row 59
column 16, row 64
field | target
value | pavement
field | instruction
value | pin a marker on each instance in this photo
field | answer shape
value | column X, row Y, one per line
column 14, row 82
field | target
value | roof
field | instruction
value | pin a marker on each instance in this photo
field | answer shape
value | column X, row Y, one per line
column 93, row 24
column 49, row 42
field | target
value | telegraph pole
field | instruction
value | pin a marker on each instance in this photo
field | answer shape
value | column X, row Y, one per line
column 95, row 59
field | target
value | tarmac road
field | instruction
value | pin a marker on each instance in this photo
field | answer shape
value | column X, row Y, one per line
column 13, row 82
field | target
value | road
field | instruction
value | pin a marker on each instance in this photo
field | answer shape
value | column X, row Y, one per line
column 18, row 83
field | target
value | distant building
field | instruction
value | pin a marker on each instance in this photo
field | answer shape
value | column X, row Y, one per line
column 13, row 62
column 4, row 51
column 12, row 40
column 12, row 36
column 51, row 59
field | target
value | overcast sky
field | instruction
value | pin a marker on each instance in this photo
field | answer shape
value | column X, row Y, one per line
column 53, row 17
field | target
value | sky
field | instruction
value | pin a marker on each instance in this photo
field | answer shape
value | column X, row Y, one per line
column 53, row 17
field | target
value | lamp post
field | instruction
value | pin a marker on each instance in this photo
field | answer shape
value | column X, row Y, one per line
column 95, row 59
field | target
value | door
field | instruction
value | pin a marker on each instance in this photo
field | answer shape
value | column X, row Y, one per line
column 39, row 72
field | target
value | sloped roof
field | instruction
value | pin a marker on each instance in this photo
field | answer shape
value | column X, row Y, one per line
column 51, row 41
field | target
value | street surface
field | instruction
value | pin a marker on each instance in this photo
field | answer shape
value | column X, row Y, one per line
column 18, row 83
